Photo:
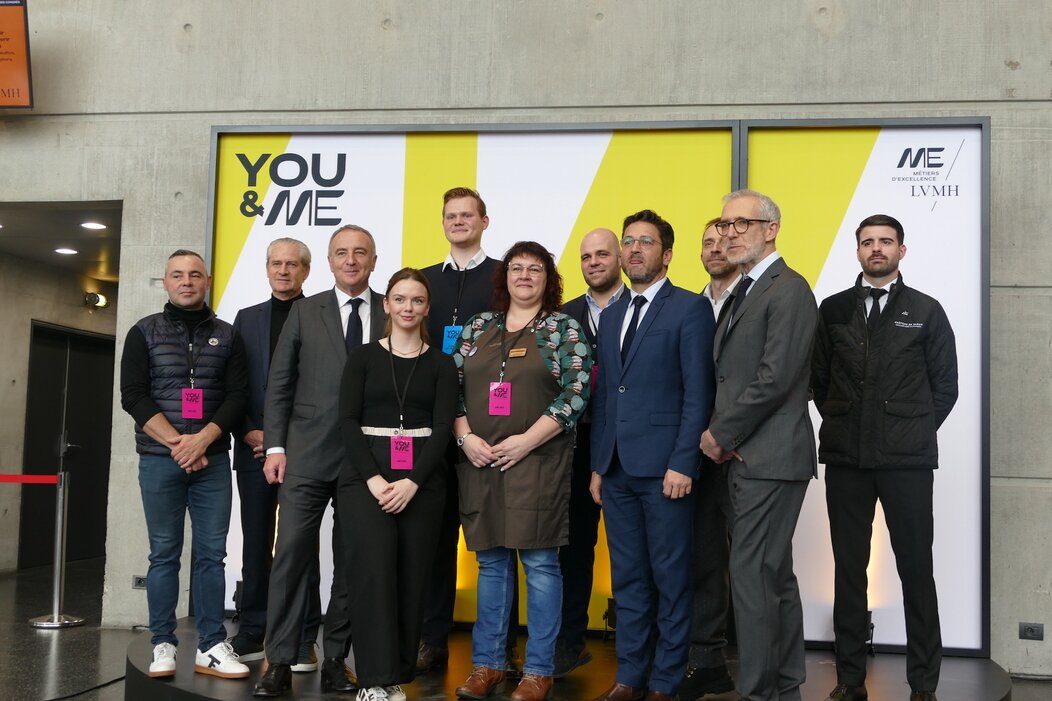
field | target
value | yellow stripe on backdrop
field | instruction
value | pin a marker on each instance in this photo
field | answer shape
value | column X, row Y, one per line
column 812, row 174
column 680, row 174
column 434, row 163
column 231, row 227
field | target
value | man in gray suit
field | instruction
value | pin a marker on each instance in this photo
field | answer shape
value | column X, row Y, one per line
column 304, row 452
column 762, row 426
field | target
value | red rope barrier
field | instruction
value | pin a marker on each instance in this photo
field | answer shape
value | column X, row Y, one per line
column 29, row 479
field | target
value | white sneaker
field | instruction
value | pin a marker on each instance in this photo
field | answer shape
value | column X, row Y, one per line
column 163, row 664
column 220, row 661
column 395, row 693
column 373, row 693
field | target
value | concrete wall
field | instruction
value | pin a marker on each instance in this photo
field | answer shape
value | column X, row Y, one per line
column 32, row 291
column 127, row 92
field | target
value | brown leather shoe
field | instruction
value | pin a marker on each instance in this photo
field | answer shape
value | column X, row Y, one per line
column 658, row 696
column 533, row 687
column 481, row 683
column 621, row 692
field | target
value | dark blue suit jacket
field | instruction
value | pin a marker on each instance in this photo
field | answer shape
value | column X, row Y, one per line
column 653, row 408
column 253, row 324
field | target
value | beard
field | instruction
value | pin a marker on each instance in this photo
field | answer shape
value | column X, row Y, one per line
column 880, row 268
column 748, row 255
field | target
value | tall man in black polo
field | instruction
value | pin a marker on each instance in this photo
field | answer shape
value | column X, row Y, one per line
column 183, row 381
column 884, row 376
column 707, row 666
column 461, row 286
column 287, row 266
column 601, row 267
column 305, row 453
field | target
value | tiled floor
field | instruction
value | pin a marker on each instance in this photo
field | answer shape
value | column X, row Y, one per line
column 88, row 663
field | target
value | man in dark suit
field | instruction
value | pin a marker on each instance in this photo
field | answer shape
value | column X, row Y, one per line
column 707, row 670
column 601, row 267
column 653, row 399
column 884, row 376
column 287, row 266
column 304, row 452
column 461, row 286
column 761, row 425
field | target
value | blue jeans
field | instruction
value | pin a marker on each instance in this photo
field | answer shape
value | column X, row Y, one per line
column 544, row 596
column 167, row 493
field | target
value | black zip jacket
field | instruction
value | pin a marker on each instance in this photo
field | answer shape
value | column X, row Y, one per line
column 883, row 395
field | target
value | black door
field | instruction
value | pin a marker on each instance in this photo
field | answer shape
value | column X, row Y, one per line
column 69, row 401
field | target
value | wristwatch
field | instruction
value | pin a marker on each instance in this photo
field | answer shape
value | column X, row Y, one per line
column 460, row 439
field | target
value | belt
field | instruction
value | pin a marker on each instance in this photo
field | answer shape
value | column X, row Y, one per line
column 408, row 432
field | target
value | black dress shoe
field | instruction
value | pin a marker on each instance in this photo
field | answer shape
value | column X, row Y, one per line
column 275, row 682
column 430, row 657
column 845, row 692
column 334, row 675
column 700, row 681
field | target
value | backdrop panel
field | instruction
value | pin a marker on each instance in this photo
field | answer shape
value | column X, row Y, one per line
column 826, row 180
column 546, row 186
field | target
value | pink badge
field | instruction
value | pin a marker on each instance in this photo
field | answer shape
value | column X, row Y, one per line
column 193, row 403
column 401, row 453
column 500, row 399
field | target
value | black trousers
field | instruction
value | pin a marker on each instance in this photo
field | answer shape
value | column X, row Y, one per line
column 302, row 502
column 259, row 504
column 712, row 513
column 906, row 498
column 389, row 557
column 577, row 558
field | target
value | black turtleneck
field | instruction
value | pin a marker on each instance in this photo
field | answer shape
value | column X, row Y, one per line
column 279, row 312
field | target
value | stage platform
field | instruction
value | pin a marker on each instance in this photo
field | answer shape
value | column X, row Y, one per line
column 963, row 679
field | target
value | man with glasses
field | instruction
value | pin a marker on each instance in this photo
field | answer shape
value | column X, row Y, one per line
column 761, row 427
column 653, row 399
column 707, row 670
column 884, row 376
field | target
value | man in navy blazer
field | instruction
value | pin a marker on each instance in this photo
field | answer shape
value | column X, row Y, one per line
column 287, row 265
column 653, row 398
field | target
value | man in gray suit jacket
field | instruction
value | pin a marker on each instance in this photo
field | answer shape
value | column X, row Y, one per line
column 762, row 426
column 304, row 452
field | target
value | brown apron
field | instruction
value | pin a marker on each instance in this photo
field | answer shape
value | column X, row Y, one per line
column 528, row 505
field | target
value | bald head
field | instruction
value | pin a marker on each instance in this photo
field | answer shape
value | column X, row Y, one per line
column 600, row 260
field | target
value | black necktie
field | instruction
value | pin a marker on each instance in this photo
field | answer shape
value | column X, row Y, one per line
column 354, row 325
column 739, row 295
column 637, row 303
column 874, row 310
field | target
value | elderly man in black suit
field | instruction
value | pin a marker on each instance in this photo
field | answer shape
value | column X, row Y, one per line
column 304, row 452
column 287, row 266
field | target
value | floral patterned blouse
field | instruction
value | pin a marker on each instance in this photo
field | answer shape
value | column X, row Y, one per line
column 562, row 347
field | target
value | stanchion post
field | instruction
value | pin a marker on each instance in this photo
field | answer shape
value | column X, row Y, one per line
column 57, row 619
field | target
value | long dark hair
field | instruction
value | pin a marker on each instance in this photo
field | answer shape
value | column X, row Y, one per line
column 553, row 281
column 416, row 276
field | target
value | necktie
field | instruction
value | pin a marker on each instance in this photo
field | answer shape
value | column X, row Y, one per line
column 637, row 304
column 874, row 310
column 354, row 325
column 739, row 295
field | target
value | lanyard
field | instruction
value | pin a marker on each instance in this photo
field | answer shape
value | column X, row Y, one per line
column 463, row 273
column 506, row 349
column 401, row 396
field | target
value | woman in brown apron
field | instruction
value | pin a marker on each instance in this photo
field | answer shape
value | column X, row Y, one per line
column 524, row 382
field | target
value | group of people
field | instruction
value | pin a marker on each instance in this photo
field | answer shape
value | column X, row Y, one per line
column 470, row 395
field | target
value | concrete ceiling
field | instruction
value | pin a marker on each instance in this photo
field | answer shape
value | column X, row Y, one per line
column 33, row 230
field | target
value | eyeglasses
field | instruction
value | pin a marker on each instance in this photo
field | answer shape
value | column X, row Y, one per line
column 644, row 241
column 531, row 270
column 740, row 225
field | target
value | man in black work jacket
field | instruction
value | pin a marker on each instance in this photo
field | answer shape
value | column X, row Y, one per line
column 884, row 375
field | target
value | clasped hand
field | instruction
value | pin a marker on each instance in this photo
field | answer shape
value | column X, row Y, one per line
column 392, row 497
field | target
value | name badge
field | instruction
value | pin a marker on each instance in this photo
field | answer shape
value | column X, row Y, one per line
column 401, row 453
column 517, row 353
column 450, row 334
column 500, row 399
column 193, row 403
